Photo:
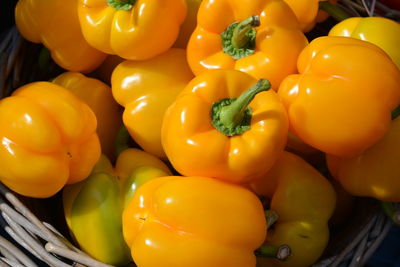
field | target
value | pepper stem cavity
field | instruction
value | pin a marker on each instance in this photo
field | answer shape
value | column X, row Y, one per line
column 232, row 116
column 239, row 38
column 333, row 10
column 281, row 253
column 121, row 4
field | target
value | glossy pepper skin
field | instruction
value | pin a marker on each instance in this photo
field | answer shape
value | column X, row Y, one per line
column 376, row 172
column 189, row 129
column 55, row 24
column 304, row 201
column 382, row 32
column 48, row 139
column 271, row 55
column 341, row 101
column 146, row 89
column 97, row 95
column 137, row 30
column 308, row 12
column 93, row 208
column 193, row 221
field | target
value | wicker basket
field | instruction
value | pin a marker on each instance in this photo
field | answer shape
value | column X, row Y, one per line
column 30, row 225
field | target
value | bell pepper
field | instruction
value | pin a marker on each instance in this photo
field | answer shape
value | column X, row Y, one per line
column 193, row 221
column 48, row 139
column 225, row 125
column 341, row 101
column 146, row 89
column 382, row 32
column 98, row 97
column 189, row 24
column 308, row 12
column 93, row 208
column 259, row 37
column 304, row 201
column 376, row 172
column 55, row 24
column 131, row 29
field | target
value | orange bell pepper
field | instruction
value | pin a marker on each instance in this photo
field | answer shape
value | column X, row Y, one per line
column 341, row 101
column 131, row 29
column 259, row 37
column 146, row 89
column 216, row 129
column 193, row 221
column 304, row 201
column 98, row 97
column 55, row 24
column 48, row 139
column 376, row 172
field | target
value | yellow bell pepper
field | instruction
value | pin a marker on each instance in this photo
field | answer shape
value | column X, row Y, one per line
column 193, row 221
column 304, row 201
column 48, row 139
column 55, row 24
column 93, row 208
column 146, row 89
column 131, row 29
column 224, row 125
column 341, row 101
column 376, row 172
column 382, row 32
column 98, row 97
column 259, row 37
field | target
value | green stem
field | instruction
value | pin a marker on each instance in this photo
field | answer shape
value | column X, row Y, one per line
column 240, row 36
column 281, row 253
column 121, row 4
column 121, row 140
column 233, row 114
column 395, row 113
column 391, row 212
column 333, row 10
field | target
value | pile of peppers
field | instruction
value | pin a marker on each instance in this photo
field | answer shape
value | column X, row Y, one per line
column 205, row 132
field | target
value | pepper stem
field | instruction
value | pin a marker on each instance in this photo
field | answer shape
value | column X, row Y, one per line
column 281, row 253
column 121, row 4
column 232, row 116
column 395, row 113
column 333, row 10
column 391, row 212
column 240, row 36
